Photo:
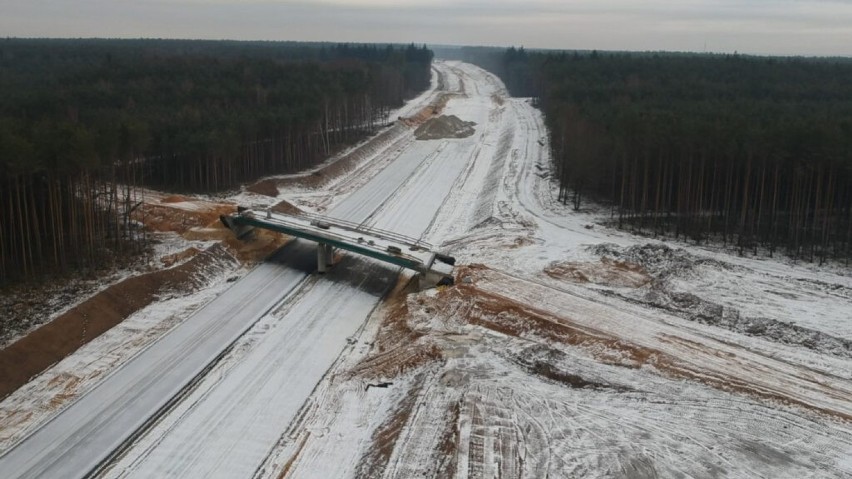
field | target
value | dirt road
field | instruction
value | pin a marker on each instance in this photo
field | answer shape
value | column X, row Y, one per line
column 567, row 348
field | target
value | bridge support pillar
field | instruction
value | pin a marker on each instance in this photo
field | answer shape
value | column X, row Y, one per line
column 325, row 257
column 329, row 255
column 322, row 264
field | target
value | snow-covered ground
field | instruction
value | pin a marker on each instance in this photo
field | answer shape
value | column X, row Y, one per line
column 69, row 419
column 648, row 361
column 566, row 349
column 198, row 439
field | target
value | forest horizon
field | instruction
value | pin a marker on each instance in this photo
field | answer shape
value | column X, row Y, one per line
column 772, row 27
column 747, row 151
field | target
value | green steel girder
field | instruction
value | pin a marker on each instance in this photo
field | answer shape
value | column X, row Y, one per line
column 372, row 253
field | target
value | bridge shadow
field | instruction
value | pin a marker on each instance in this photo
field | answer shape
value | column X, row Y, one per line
column 373, row 277
column 368, row 275
column 297, row 254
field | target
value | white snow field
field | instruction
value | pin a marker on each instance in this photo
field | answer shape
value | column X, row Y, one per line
column 566, row 349
column 519, row 373
column 240, row 410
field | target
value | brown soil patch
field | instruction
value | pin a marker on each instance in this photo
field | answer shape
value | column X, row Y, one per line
column 201, row 222
column 69, row 389
column 607, row 272
column 398, row 347
column 514, row 319
column 56, row 340
column 448, row 444
column 265, row 187
column 443, row 127
column 509, row 317
column 13, row 420
column 215, row 232
column 170, row 259
column 286, row 208
column 162, row 217
column 434, row 109
column 257, row 247
column 289, row 464
column 174, row 199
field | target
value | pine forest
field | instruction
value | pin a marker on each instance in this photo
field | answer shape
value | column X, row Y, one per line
column 750, row 152
column 85, row 123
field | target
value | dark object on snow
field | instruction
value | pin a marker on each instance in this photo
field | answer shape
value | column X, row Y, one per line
column 446, row 259
column 378, row 385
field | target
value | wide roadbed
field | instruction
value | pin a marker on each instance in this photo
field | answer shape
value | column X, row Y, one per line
column 87, row 432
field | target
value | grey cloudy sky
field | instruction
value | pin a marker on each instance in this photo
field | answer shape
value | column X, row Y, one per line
column 798, row 27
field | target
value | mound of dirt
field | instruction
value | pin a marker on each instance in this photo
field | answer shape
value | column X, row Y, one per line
column 659, row 260
column 666, row 264
column 433, row 109
column 286, row 208
column 695, row 308
column 174, row 199
column 180, row 219
column 399, row 347
column 170, row 260
column 54, row 341
column 607, row 272
column 257, row 247
column 445, row 126
column 265, row 187
column 214, row 232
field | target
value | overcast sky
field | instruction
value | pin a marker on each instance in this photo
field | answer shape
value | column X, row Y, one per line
column 798, row 27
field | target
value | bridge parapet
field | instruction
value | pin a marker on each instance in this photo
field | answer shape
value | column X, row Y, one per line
column 435, row 268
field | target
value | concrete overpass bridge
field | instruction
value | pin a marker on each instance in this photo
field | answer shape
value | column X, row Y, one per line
column 434, row 268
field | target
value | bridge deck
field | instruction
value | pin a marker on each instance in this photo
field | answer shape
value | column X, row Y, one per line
column 384, row 246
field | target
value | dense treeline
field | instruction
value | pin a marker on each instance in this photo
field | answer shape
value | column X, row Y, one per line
column 754, row 152
column 84, row 122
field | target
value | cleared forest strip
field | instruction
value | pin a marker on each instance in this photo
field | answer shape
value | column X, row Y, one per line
column 352, row 159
